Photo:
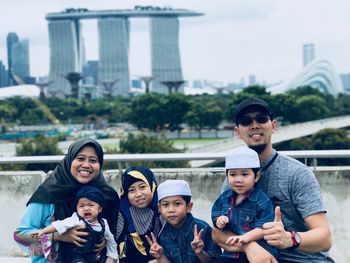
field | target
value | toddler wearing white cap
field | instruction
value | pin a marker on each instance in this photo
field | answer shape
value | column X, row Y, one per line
column 182, row 231
column 244, row 208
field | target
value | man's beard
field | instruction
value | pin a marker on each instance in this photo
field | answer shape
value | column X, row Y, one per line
column 258, row 148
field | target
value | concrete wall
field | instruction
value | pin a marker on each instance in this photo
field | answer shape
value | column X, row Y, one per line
column 205, row 183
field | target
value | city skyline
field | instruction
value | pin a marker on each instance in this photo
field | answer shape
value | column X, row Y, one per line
column 234, row 39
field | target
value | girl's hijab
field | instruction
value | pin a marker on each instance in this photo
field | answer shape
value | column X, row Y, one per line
column 139, row 221
column 61, row 187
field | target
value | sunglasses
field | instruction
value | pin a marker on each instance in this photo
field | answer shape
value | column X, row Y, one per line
column 247, row 120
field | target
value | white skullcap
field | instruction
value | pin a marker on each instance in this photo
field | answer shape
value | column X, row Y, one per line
column 172, row 188
column 242, row 157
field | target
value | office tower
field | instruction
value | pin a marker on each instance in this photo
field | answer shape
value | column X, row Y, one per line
column 65, row 54
column 11, row 39
column 308, row 53
column 90, row 70
column 20, row 60
column 165, row 52
column 252, row 80
column 114, row 55
column 3, row 76
column 345, row 79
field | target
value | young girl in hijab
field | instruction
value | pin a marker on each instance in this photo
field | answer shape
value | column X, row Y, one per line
column 139, row 212
column 55, row 199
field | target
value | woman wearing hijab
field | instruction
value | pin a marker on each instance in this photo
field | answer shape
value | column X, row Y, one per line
column 55, row 200
column 139, row 214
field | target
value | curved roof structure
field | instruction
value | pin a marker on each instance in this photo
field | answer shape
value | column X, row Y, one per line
column 20, row 90
column 319, row 74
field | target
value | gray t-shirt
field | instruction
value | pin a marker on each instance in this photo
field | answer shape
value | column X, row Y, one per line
column 292, row 185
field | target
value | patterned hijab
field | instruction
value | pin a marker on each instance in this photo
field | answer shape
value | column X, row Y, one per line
column 140, row 222
column 61, row 187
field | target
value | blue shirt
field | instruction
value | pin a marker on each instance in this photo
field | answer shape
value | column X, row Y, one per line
column 254, row 211
column 176, row 242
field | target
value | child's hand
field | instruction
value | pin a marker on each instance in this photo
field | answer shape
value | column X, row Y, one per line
column 222, row 221
column 36, row 233
column 156, row 250
column 237, row 240
column 197, row 243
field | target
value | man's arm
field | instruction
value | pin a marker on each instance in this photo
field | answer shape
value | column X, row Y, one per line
column 317, row 238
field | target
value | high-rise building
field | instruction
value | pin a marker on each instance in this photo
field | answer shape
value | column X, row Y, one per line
column 12, row 38
column 90, row 70
column 165, row 52
column 308, row 53
column 20, row 59
column 3, row 76
column 65, row 54
column 345, row 79
column 114, row 54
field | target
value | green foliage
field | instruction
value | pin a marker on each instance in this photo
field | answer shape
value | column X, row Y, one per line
column 37, row 146
column 141, row 143
column 326, row 139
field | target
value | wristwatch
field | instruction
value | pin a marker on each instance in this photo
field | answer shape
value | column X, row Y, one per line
column 295, row 239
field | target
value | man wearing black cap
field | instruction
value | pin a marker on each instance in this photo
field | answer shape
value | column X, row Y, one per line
column 300, row 229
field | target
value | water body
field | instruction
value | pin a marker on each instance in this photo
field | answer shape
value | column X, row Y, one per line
column 16, row 188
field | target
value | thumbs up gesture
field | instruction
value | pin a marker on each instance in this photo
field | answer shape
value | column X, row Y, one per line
column 274, row 232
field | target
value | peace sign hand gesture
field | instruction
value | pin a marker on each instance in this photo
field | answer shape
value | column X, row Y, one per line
column 197, row 242
column 156, row 250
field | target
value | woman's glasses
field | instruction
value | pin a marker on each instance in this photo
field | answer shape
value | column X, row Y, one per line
column 247, row 120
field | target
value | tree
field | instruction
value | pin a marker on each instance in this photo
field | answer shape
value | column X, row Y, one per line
column 39, row 145
column 141, row 143
column 176, row 106
column 147, row 111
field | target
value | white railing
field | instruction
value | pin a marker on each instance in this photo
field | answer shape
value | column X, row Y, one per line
column 124, row 158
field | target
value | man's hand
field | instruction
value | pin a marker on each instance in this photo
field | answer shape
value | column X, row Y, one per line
column 274, row 232
column 222, row 221
column 156, row 250
column 257, row 254
column 197, row 242
column 73, row 235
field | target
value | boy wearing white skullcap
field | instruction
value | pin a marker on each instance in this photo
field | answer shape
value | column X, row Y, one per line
column 183, row 238
column 244, row 208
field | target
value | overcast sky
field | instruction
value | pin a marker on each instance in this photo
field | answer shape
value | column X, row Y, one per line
column 234, row 39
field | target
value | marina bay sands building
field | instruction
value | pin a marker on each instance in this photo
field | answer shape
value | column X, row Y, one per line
column 67, row 52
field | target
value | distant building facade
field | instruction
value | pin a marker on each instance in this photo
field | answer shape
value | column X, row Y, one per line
column 114, row 53
column 20, row 59
column 165, row 50
column 308, row 53
column 345, row 79
column 66, row 52
column 11, row 39
column 4, row 82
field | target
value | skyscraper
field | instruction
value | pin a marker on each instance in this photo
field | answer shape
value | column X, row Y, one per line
column 114, row 54
column 12, row 38
column 65, row 54
column 165, row 52
column 308, row 53
column 20, row 58
column 3, row 76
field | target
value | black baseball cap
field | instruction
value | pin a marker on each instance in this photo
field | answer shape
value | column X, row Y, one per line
column 251, row 103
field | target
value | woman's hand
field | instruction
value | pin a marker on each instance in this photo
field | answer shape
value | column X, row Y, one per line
column 73, row 235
